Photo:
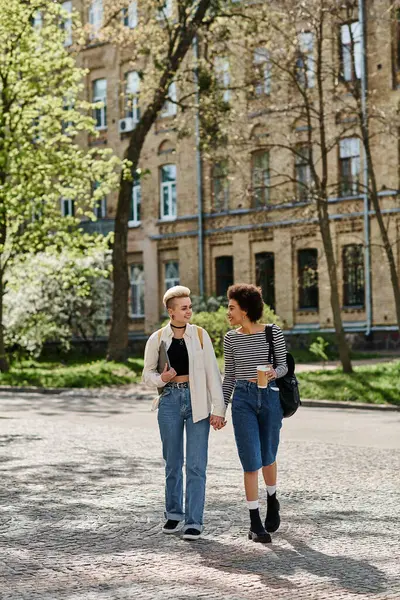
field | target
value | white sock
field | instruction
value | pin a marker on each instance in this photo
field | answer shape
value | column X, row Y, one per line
column 271, row 489
column 252, row 504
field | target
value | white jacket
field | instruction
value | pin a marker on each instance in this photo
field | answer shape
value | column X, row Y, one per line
column 204, row 377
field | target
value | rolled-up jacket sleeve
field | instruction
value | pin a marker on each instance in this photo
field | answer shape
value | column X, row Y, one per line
column 150, row 375
column 213, row 377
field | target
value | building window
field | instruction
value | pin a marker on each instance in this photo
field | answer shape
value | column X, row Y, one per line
column 170, row 107
column 353, row 275
column 222, row 75
column 168, row 192
column 137, row 291
column 95, row 17
column 100, row 208
column 220, row 186
column 130, row 15
column 171, row 274
column 260, row 177
column 265, row 276
column 67, row 207
column 308, row 278
column 165, row 12
column 136, row 203
column 350, row 54
column 349, row 157
column 37, row 21
column 100, row 96
column 262, row 72
column 100, row 205
column 303, row 172
column 67, row 22
column 223, row 274
column 132, row 89
column 305, row 68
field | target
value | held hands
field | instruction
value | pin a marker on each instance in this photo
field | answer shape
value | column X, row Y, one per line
column 217, row 422
column 271, row 375
column 168, row 374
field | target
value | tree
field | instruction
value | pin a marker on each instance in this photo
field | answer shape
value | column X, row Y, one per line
column 376, row 124
column 55, row 295
column 42, row 166
column 290, row 48
column 158, row 46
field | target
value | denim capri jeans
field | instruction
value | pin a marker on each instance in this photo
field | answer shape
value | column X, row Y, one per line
column 257, row 420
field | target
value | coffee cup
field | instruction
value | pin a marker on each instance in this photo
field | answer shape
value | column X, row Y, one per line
column 262, row 379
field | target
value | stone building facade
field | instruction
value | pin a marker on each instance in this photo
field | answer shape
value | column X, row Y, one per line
column 273, row 242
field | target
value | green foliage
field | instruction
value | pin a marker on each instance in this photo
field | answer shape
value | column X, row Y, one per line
column 216, row 324
column 377, row 384
column 77, row 374
column 210, row 304
column 318, row 348
column 42, row 115
column 53, row 296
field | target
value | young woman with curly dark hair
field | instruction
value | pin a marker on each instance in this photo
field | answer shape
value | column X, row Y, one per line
column 256, row 411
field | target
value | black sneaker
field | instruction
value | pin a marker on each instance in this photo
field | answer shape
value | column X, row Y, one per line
column 191, row 534
column 273, row 519
column 261, row 537
column 172, row 526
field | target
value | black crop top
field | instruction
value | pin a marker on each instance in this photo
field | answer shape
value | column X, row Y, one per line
column 178, row 356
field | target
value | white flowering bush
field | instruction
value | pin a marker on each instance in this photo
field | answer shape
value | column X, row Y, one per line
column 54, row 296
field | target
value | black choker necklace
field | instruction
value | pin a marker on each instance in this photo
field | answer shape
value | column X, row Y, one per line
column 176, row 326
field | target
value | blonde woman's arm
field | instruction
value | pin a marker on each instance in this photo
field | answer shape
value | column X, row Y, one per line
column 213, row 377
column 150, row 375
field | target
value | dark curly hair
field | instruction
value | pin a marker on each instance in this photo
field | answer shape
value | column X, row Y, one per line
column 249, row 298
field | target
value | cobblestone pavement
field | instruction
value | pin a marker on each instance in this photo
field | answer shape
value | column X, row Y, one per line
column 81, row 503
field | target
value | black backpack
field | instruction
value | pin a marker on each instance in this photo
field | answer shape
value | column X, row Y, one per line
column 288, row 385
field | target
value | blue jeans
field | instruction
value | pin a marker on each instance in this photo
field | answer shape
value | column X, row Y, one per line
column 257, row 420
column 174, row 413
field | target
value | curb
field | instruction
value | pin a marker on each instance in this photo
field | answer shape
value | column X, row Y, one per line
column 36, row 390
column 306, row 402
column 356, row 405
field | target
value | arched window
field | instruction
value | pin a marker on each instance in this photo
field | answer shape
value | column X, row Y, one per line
column 220, row 186
column 132, row 90
column 353, row 275
column 168, row 192
column 136, row 203
column 262, row 72
column 99, row 94
column 171, row 274
column 137, row 290
column 260, row 178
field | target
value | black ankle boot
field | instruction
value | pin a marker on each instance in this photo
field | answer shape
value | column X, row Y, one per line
column 273, row 519
column 257, row 532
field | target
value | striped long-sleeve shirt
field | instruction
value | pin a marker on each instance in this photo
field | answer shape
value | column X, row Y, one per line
column 243, row 353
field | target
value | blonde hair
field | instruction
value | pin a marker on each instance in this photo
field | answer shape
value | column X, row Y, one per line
column 178, row 291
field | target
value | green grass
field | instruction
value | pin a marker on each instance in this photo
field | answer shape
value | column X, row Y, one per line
column 377, row 384
column 76, row 373
column 303, row 355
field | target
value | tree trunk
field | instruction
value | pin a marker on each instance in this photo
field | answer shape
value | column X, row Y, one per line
column 343, row 347
column 4, row 365
column 322, row 207
column 118, row 338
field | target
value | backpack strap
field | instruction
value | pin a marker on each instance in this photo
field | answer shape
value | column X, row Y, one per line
column 160, row 334
column 200, row 334
column 270, row 340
